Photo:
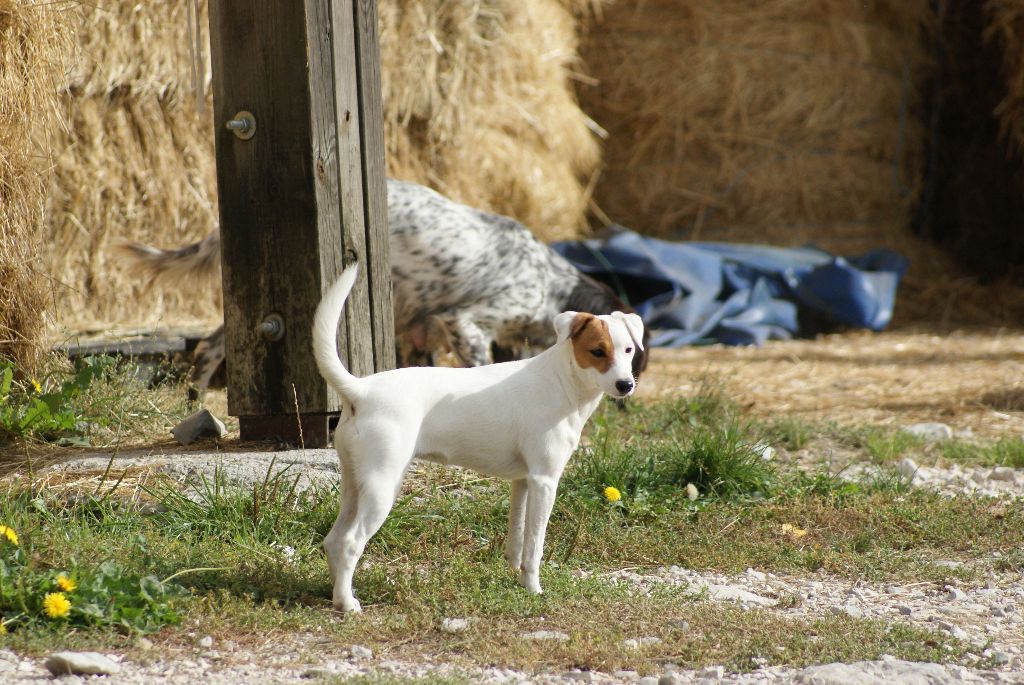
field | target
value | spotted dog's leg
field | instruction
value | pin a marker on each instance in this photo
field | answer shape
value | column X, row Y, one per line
column 209, row 355
column 470, row 343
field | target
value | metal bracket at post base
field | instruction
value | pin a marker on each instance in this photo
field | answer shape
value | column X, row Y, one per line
column 306, row 430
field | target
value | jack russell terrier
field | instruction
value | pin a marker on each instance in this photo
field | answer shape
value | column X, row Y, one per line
column 519, row 420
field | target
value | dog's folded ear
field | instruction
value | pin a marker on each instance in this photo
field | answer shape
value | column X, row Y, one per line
column 563, row 325
column 635, row 326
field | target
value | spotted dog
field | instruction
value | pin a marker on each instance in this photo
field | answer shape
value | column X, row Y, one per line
column 465, row 281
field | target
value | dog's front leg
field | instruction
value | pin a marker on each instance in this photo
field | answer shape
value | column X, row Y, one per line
column 539, row 501
column 516, row 524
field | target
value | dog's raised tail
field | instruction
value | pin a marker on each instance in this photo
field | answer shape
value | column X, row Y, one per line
column 325, row 335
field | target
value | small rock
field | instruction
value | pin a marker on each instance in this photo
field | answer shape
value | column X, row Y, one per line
column 756, row 575
column 361, row 652
column 1000, row 658
column 1004, row 473
column 948, row 563
column 711, row 672
column 631, row 643
column 955, row 594
column 930, row 431
column 669, row 679
column 81, row 663
column 317, row 673
column 144, row 644
column 648, row 680
column 206, row 642
column 199, row 425
column 580, row 676
column 767, row 452
column 546, row 635
column 998, row 611
column 904, row 609
column 728, row 592
column 692, row 492
column 454, row 625
column 907, row 467
column 954, row 630
column 625, row 675
column 851, row 611
column 679, row 624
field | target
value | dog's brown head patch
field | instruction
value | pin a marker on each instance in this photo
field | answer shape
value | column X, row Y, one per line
column 592, row 343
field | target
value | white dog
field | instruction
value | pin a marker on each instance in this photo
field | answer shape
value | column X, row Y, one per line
column 519, row 420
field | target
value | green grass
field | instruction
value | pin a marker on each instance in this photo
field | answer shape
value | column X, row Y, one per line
column 1002, row 452
column 439, row 554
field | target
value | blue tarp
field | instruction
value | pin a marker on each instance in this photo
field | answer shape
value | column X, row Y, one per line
column 691, row 293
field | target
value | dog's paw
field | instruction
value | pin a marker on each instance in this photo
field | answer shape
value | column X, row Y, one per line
column 531, row 581
column 348, row 605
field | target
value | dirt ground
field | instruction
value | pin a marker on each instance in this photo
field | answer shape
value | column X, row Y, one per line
column 967, row 379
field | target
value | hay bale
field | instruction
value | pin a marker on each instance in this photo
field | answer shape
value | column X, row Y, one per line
column 478, row 105
column 32, row 38
column 135, row 160
column 760, row 120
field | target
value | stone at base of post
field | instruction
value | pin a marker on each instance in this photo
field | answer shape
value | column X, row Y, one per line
column 306, row 430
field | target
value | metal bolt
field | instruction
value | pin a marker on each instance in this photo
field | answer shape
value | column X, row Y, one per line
column 272, row 327
column 243, row 125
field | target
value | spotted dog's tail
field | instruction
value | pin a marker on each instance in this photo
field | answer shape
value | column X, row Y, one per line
column 325, row 336
column 172, row 267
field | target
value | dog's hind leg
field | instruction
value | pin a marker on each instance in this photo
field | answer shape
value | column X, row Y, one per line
column 516, row 524
column 373, row 490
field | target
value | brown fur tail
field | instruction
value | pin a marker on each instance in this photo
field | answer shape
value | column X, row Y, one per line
column 172, row 267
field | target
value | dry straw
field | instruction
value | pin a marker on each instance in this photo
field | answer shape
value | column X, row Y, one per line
column 1006, row 27
column 135, row 161
column 478, row 104
column 477, row 99
column 32, row 39
column 779, row 121
column 775, row 120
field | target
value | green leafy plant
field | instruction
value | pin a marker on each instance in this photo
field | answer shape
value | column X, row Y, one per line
column 47, row 409
column 104, row 595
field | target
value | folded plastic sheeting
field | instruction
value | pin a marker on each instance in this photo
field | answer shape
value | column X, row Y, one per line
column 691, row 293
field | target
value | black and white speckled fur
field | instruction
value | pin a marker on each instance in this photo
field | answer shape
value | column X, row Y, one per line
column 485, row 276
column 463, row 278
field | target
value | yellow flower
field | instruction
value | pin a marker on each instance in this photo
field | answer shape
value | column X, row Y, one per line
column 3, row 628
column 9, row 534
column 35, row 386
column 56, row 605
column 612, row 494
column 66, row 584
column 789, row 528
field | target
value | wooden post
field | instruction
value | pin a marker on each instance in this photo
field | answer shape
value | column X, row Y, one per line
column 302, row 190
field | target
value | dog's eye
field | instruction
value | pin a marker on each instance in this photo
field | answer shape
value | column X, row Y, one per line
column 629, row 350
column 597, row 352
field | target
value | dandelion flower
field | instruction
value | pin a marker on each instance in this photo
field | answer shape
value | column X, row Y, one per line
column 66, row 584
column 612, row 494
column 35, row 386
column 9, row 534
column 790, row 529
column 56, row 605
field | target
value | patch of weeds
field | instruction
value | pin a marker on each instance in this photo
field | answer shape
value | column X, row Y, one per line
column 790, row 433
column 47, row 408
column 649, row 456
column 76, row 594
column 96, row 401
column 1002, row 452
column 885, row 445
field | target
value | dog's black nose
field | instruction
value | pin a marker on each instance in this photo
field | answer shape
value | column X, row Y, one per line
column 624, row 385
